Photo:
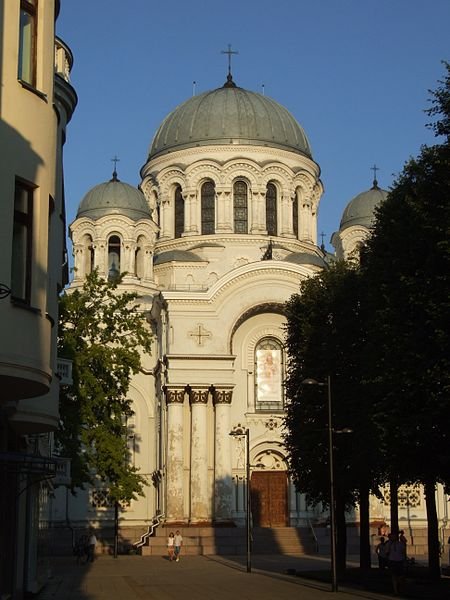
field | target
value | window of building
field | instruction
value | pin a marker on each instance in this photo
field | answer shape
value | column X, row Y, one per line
column 113, row 257
column 27, row 41
column 269, row 374
column 179, row 213
column 240, row 207
column 295, row 215
column 271, row 209
column 208, row 207
column 21, row 262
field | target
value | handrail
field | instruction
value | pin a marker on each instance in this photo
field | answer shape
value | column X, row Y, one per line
column 316, row 541
column 153, row 525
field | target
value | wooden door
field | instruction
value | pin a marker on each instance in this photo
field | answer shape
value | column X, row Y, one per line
column 269, row 498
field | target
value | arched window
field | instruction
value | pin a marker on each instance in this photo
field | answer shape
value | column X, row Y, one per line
column 269, row 374
column 208, row 206
column 295, row 215
column 271, row 209
column 240, row 207
column 113, row 257
column 179, row 212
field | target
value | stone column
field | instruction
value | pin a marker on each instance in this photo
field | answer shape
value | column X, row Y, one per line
column 286, row 216
column 223, row 485
column 129, row 262
column 190, row 213
column 148, row 262
column 166, row 225
column 200, row 498
column 258, row 212
column 224, row 211
column 101, row 258
column 305, row 220
column 79, row 260
column 174, row 460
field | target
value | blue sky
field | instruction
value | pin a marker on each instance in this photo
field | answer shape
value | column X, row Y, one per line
column 354, row 73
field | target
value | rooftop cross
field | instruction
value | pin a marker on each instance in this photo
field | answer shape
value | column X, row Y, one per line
column 375, row 169
column 229, row 52
column 115, row 160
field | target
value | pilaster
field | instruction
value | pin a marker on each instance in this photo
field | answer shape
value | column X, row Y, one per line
column 199, row 456
column 174, row 465
column 223, row 485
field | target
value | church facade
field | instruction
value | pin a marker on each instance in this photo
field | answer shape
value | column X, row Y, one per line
column 218, row 236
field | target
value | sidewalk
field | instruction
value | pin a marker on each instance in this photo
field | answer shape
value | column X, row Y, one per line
column 193, row 578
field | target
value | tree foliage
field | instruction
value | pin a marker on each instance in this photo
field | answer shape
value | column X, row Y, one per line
column 382, row 333
column 103, row 332
column 407, row 269
column 325, row 337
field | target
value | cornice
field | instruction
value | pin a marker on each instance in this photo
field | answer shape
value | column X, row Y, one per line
column 289, row 273
column 237, row 150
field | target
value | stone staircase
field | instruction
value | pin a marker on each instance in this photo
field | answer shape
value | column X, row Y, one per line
column 233, row 540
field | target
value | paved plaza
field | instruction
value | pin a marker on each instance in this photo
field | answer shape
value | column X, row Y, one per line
column 193, row 578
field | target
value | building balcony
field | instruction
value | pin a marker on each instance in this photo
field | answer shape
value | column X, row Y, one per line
column 65, row 95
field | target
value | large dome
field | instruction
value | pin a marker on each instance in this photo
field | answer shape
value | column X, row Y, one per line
column 114, row 197
column 229, row 115
column 361, row 209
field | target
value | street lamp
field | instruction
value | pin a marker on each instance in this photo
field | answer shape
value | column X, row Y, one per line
column 240, row 431
column 334, row 583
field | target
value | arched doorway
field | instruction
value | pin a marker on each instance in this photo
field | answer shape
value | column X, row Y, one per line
column 269, row 491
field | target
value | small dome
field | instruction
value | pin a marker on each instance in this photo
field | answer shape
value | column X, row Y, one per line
column 230, row 115
column 114, row 198
column 361, row 210
column 176, row 255
column 303, row 258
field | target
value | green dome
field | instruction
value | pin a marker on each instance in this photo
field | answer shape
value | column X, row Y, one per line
column 114, row 198
column 361, row 210
column 229, row 115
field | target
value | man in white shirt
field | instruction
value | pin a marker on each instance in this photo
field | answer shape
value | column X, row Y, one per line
column 178, row 542
column 92, row 542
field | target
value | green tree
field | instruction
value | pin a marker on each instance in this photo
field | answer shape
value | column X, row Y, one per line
column 407, row 268
column 103, row 331
column 325, row 337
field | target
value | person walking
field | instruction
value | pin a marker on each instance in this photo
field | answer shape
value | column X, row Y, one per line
column 396, row 556
column 92, row 542
column 170, row 546
column 178, row 544
column 381, row 549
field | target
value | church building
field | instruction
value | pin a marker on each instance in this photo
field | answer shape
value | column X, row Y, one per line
column 217, row 237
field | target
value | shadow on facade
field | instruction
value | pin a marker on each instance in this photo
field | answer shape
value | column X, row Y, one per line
column 22, row 468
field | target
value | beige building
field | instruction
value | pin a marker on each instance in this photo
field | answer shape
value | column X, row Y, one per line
column 217, row 237
column 36, row 103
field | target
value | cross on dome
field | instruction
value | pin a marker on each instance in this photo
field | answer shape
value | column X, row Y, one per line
column 115, row 160
column 375, row 182
column 230, row 52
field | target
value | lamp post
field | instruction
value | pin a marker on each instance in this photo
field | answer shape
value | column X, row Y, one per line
column 240, row 431
column 334, row 583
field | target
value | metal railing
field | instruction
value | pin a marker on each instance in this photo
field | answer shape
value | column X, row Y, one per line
column 151, row 528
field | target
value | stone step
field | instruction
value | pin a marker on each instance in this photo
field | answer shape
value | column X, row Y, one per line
column 233, row 540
